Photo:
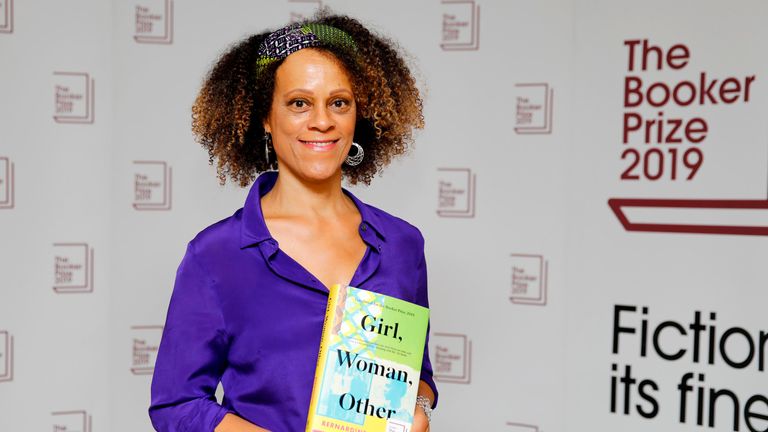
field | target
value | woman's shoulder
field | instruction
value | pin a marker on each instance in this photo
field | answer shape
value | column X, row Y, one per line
column 219, row 236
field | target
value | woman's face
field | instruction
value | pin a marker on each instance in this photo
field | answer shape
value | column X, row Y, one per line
column 312, row 119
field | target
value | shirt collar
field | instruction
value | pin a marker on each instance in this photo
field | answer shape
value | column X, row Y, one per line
column 254, row 229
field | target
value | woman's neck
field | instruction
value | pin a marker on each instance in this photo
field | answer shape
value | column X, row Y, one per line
column 290, row 196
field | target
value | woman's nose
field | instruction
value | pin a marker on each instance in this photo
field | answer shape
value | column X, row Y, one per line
column 320, row 118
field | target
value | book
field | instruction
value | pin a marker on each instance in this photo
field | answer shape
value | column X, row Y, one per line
column 369, row 364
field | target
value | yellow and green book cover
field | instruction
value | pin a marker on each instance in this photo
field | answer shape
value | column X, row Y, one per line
column 369, row 365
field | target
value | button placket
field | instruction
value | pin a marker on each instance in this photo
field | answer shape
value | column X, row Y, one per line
column 285, row 267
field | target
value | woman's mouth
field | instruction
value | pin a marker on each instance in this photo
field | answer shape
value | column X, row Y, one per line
column 320, row 145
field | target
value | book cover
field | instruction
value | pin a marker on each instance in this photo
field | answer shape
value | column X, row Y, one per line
column 369, row 364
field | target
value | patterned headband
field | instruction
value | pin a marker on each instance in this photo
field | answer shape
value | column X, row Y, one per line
column 287, row 40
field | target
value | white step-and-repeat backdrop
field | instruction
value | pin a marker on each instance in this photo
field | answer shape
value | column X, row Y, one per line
column 592, row 184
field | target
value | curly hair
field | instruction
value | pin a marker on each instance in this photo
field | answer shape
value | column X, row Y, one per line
column 229, row 112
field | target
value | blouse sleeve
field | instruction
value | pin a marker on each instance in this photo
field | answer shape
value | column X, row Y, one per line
column 192, row 355
column 422, row 299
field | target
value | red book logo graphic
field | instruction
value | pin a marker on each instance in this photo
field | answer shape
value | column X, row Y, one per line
column 659, row 144
column 154, row 22
column 7, row 189
column 461, row 25
column 534, row 103
column 152, row 185
column 521, row 427
column 6, row 16
column 71, row 421
column 74, row 94
column 303, row 9
column 529, row 279
column 6, row 356
column 73, row 268
column 692, row 216
column 456, row 193
column 146, row 342
column 451, row 357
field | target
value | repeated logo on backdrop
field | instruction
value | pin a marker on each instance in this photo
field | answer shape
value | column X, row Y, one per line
column 529, row 279
column 6, row 16
column 456, row 193
column 659, row 147
column 72, row 268
column 146, row 342
column 6, row 356
column 71, row 421
column 521, row 427
column 7, row 189
column 152, row 188
column 461, row 25
column 451, row 357
column 153, row 22
column 74, row 97
column 534, row 104
column 303, row 9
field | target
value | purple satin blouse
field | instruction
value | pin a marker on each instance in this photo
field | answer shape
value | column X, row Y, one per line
column 244, row 313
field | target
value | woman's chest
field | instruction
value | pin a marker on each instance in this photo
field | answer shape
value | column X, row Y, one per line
column 331, row 252
column 266, row 309
column 271, row 304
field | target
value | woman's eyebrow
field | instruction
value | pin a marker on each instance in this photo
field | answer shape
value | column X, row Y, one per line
column 300, row 90
column 310, row 92
column 340, row 90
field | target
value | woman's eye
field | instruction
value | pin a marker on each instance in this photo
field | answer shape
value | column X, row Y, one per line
column 298, row 103
column 340, row 103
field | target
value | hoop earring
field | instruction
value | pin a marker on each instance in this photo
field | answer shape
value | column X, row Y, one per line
column 357, row 158
column 267, row 143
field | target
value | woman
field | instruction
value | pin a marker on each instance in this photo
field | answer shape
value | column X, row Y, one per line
column 316, row 101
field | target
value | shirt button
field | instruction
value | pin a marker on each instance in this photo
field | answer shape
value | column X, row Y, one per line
column 364, row 227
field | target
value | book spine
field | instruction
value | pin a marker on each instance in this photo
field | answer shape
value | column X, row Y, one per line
column 330, row 310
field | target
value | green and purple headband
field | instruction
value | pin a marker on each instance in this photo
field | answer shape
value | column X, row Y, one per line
column 285, row 41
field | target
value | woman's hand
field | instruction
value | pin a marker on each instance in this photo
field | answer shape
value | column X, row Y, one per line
column 420, row 422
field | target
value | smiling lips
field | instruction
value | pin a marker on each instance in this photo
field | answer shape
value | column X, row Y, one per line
column 320, row 146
